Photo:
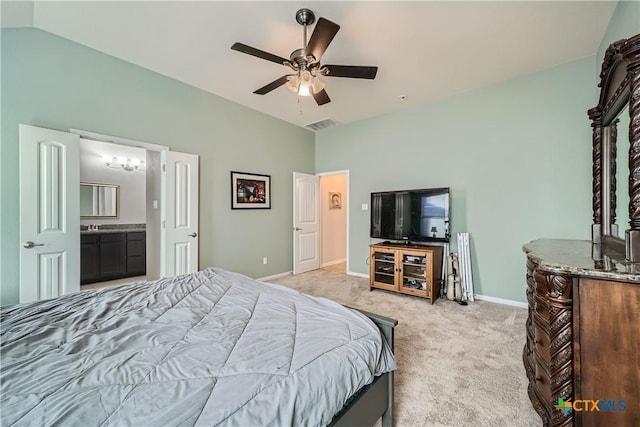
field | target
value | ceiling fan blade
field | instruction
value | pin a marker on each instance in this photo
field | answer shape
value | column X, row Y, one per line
column 273, row 85
column 352, row 71
column 321, row 97
column 322, row 35
column 259, row 53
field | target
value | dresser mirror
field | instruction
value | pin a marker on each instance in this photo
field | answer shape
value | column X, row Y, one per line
column 99, row 200
column 616, row 151
column 621, row 219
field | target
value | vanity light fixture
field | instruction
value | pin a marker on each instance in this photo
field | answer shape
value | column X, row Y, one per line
column 126, row 164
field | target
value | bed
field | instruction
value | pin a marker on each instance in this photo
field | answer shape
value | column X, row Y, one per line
column 209, row 348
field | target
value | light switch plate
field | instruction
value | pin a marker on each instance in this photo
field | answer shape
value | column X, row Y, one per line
column 365, row 207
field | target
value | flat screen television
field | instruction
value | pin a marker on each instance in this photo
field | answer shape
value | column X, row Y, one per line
column 411, row 215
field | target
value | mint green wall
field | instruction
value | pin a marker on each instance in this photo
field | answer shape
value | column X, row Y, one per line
column 516, row 155
column 52, row 82
column 624, row 23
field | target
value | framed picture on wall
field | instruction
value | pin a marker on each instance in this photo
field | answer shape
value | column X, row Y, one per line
column 335, row 200
column 250, row 191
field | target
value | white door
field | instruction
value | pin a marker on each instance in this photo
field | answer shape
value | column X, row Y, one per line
column 179, row 214
column 306, row 222
column 49, row 213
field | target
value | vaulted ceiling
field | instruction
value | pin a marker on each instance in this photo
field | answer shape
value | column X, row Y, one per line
column 425, row 50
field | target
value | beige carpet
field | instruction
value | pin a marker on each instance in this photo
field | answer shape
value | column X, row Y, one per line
column 458, row 365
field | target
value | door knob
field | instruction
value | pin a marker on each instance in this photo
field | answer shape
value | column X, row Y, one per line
column 193, row 235
column 297, row 228
column 29, row 244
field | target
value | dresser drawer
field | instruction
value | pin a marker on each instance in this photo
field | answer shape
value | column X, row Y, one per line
column 542, row 383
column 112, row 237
column 541, row 308
column 136, row 264
column 541, row 343
column 135, row 248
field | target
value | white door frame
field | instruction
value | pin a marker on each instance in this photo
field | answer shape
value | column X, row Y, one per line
column 162, row 263
column 340, row 172
column 117, row 140
column 94, row 136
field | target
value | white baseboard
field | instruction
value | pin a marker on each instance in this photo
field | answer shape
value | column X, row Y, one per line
column 496, row 300
column 353, row 273
column 275, row 276
column 339, row 261
column 502, row 301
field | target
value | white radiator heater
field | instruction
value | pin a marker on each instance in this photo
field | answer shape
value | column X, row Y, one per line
column 464, row 259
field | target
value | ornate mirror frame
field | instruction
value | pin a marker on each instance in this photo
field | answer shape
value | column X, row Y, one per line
column 619, row 86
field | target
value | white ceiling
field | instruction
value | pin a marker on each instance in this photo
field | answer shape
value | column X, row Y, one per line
column 425, row 50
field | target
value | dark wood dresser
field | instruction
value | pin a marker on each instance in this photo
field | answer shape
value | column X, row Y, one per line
column 583, row 334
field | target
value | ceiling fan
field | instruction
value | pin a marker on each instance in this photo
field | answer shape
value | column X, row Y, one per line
column 305, row 62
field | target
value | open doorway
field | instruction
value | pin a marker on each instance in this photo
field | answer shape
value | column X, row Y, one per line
column 50, row 212
column 114, row 214
column 334, row 220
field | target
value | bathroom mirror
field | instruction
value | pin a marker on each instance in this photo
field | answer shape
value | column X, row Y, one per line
column 99, row 200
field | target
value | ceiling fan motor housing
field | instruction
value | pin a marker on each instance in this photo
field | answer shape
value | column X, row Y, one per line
column 298, row 59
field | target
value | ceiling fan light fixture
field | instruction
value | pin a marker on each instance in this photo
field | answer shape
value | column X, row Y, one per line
column 304, row 90
column 317, row 85
column 294, row 83
column 304, row 84
column 305, row 78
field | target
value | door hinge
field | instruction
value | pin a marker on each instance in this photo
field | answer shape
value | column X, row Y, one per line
column 164, row 167
column 164, row 225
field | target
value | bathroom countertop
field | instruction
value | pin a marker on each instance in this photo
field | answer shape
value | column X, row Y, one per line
column 115, row 228
column 110, row 231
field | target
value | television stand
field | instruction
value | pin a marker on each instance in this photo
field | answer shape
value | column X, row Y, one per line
column 406, row 268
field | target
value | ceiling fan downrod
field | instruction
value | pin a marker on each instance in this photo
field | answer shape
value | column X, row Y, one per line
column 305, row 17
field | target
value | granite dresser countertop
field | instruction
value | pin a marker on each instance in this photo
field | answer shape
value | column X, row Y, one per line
column 114, row 228
column 576, row 258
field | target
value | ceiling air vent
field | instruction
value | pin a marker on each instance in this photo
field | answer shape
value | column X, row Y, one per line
column 321, row 124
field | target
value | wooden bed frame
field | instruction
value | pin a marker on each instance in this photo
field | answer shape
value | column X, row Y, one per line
column 374, row 400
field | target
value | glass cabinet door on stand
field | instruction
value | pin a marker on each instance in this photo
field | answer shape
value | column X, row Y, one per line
column 414, row 266
column 383, row 269
column 409, row 269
